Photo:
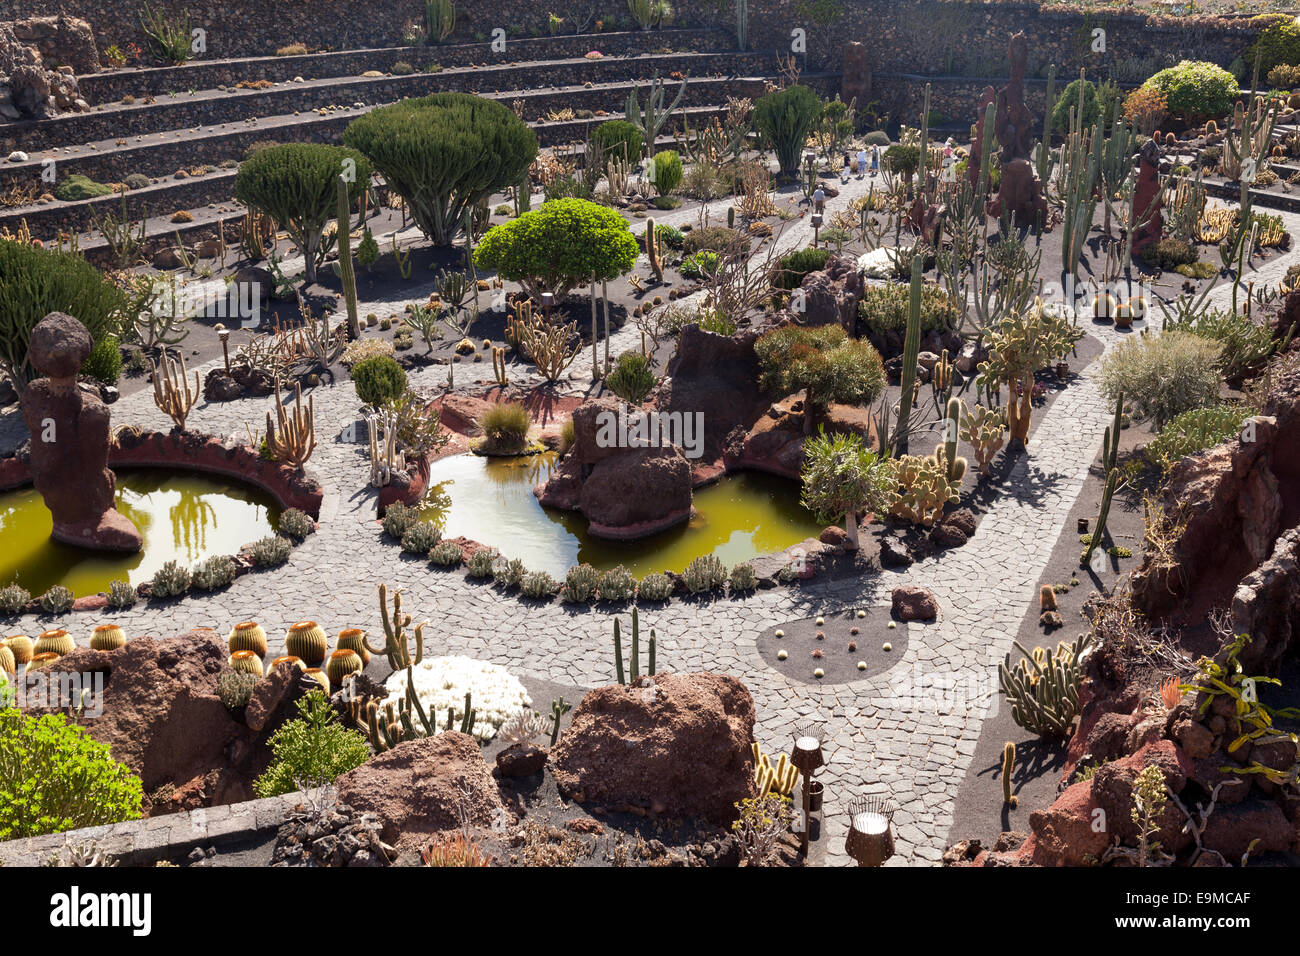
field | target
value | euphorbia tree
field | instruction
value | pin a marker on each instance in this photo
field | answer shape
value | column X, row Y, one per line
column 296, row 184
column 824, row 362
column 1021, row 345
column 562, row 244
column 842, row 476
column 785, row 118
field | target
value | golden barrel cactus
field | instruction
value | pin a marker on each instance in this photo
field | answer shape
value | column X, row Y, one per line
column 247, row 636
column 58, row 642
column 342, row 664
column 22, row 648
column 246, row 662
column 354, row 639
column 107, row 637
column 307, row 640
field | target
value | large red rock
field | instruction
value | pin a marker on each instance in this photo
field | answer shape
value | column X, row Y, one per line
column 637, row 493
column 1066, row 833
column 913, row 603
column 160, row 712
column 425, row 786
column 675, row 744
column 1232, row 829
column 1112, row 789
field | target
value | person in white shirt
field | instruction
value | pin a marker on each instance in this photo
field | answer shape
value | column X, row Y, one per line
column 819, row 200
column 862, row 163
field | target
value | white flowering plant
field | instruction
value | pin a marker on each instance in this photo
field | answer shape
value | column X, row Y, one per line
column 441, row 684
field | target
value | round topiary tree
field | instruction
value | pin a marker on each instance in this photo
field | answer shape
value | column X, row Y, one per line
column 35, row 282
column 1195, row 90
column 445, row 154
column 822, row 361
column 667, row 167
column 562, row 244
column 297, row 185
column 785, row 118
column 378, row 379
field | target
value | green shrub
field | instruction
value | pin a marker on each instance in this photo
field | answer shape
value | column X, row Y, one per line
column 1196, row 90
column 378, row 379
column 632, row 378
column 13, row 598
column 1284, row 77
column 711, row 320
column 667, row 167
column 399, row 519
column 420, row 537
column 270, row 552
column 886, row 307
column 481, row 564
column 580, row 584
column 670, row 236
column 568, row 187
column 711, row 239
column 507, row 423
column 784, row 118
column 105, row 361
column 121, row 595
column 1169, row 253
column 1163, row 376
column 77, row 187
column 1098, row 103
column 171, row 580
column 877, row 137
column 1278, row 44
column 794, row 267
column 135, row 181
column 444, row 154
column 824, row 362
column 655, row 587
column 538, row 585
column 1194, row 431
column 235, row 689
column 705, row 573
column 1247, row 347
column 508, row 574
column 57, row 600
column 618, row 139
column 297, row 185
column 54, row 778
column 35, row 282
column 402, row 68
column 743, row 578
column 699, row 265
column 311, row 751
column 902, row 160
column 560, row 245
column 215, row 572
column 445, row 554
column 617, row 584
column 296, row 524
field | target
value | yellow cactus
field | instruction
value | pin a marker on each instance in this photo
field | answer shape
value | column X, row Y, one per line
column 246, row 662
column 247, row 636
column 307, row 640
column 107, row 637
column 57, row 643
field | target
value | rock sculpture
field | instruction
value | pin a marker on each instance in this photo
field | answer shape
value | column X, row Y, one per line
column 1020, row 193
column 69, row 427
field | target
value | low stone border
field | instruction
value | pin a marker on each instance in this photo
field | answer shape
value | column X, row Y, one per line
column 170, row 837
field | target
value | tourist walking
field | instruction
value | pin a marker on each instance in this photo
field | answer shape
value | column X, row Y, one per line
column 862, row 163
column 819, row 200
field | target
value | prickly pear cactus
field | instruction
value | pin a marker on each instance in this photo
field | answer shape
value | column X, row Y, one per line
column 923, row 488
column 985, row 428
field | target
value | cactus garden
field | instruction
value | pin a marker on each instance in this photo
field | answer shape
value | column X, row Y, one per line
column 851, row 433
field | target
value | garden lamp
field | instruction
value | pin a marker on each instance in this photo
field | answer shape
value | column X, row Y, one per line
column 807, row 758
column 871, row 836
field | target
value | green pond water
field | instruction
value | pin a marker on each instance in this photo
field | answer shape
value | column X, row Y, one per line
column 183, row 517
column 490, row 500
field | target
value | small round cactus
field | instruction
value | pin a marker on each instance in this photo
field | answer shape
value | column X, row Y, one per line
column 7, row 663
column 42, row 660
column 22, row 648
column 246, row 662
column 342, row 664
column 862, row 665
column 821, row 621
column 107, row 637
column 318, row 675
column 55, row 642
column 819, row 673
column 247, row 636
column 886, row 646
column 354, row 639
column 781, row 655
column 307, row 640
column 287, row 659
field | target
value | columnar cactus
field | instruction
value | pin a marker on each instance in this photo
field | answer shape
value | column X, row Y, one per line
column 636, row 650
column 1008, row 763
column 347, row 274
column 1043, row 690
column 395, row 623
column 946, row 452
column 652, row 250
column 911, row 348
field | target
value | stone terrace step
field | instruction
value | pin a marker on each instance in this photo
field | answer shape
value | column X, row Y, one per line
column 204, row 107
column 110, row 86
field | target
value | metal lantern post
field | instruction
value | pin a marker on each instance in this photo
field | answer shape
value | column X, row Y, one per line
column 817, row 225
column 224, row 335
column 807, row 758
column 548, row 300
column 871, row 835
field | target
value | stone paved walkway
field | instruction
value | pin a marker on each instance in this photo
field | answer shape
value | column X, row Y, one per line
column 900, row 734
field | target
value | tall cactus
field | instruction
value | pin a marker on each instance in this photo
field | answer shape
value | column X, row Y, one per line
column 986, row 160
column 652, row 250
column 651, row 120
column 954, row 465
column 1103, row 513
column 1044, row 157
column 1008, row 764
column 911, row 348
column 636, row 650
column 742, row 24
column 1110, row 447
column 395, row 623
column 923, row 167
column 346, row 273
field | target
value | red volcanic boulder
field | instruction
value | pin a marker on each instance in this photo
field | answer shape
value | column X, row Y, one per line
column 420, row 786
column 463, row 413
column 1065, row 834
column 637, row 493
column 1232, row 829
column 675, row 744
column 1266, row 606
column 1112, row 788
column 826, row 302
column 912, row 603
column 160, row 712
